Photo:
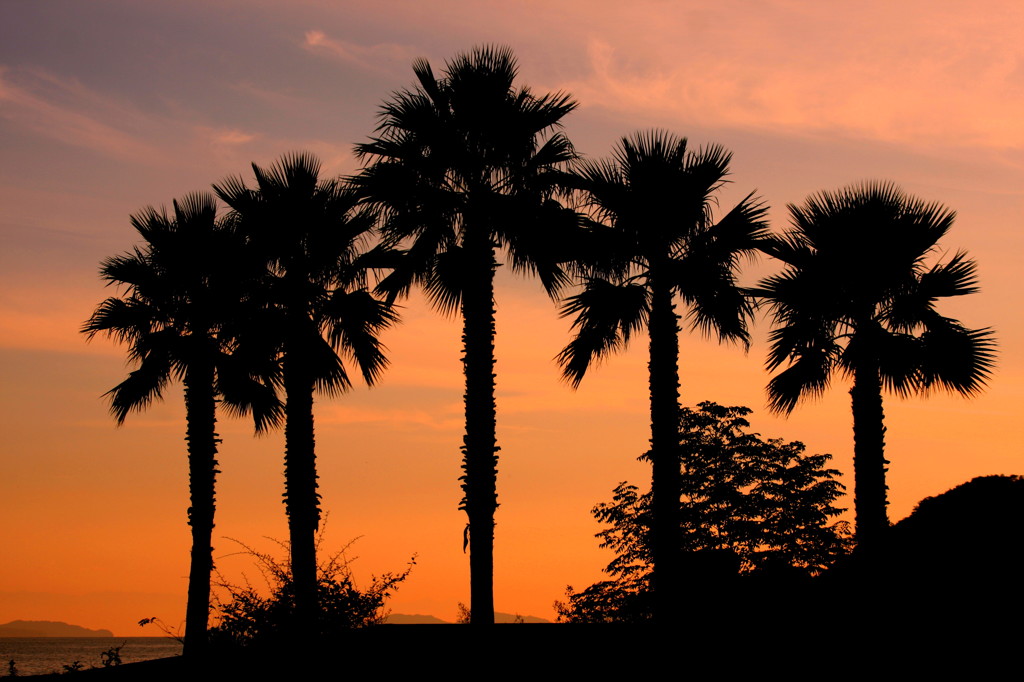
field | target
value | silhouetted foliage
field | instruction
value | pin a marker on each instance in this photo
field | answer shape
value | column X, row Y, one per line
column 112, row 656
column 953, row 565
column 857, row 296
column 463, row 165
column 967, row 537
column 654, row 238
column 748, row 507
column 248, row 617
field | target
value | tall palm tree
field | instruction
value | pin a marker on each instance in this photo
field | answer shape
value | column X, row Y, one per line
column 311, row 236
column 183, row 287
column 461, row 166
column 652, row 204
column 857, row 296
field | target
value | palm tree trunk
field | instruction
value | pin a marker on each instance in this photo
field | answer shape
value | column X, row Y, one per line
column 666, row 480
column 480, row 450
column 869, row 463
column 201, row 419
column 302, row 501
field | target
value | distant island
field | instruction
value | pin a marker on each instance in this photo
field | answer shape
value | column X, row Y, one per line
column 418, row 619
column 413, row 619
column 48, row 628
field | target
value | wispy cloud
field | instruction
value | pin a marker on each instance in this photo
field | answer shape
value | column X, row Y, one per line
column 59, row 108
column 381, row 57
column 232, row 137
column 65, row 110
column 887, row 75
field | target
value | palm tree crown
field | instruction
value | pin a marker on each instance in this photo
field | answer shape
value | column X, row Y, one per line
column 316, row 313
column 460, row 166
column 858, row 296
column 654, row 238
column 184, row 289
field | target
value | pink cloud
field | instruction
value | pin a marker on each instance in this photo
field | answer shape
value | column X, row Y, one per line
column 386, row 57
column 65, row 110
column 909, row 75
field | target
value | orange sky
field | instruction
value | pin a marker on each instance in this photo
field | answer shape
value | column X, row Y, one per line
column 107, row 107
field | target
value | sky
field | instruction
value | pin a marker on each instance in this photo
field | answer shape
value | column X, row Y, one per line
column 108, row 107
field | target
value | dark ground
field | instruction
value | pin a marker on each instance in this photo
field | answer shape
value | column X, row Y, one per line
column 796, row 648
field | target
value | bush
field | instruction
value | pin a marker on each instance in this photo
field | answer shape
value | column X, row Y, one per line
column 244, row 617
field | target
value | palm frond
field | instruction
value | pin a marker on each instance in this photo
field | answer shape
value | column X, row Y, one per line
column 955, row 358
column 607, row 315
column 248, row 387
column 543, row 241
column 330, row 375
column 126, row 320
column 195, row 211
column 142, row 387
column 807, row 377
column 135, row 269
column 355, row 320
column 899, row 362
column 914, row 303
column 717, row 306
column 446, row 281
column 740, row 233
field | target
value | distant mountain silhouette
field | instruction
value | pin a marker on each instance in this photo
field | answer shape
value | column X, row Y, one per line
column 420, row 619
column 413, row 619
column 48, row 628
column 500, row 617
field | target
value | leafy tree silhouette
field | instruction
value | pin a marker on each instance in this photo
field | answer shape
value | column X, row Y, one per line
column 658, row 240
column 463, row 165
column 311, row 238
column 183, row 290
column 856, row 296
column 748, row 506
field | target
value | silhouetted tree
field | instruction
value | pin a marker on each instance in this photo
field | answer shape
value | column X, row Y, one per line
column 856, row 296
column 748, row 506
column 461, row 166
column 660, row 241
column 184, row 290
column 311, row 237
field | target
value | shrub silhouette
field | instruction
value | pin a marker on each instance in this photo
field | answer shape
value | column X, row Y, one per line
column 965, row 541
column 248, row 618
column 954, row 562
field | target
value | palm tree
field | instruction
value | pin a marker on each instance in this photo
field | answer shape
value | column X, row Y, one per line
column 652, row 203
column 310, row 235
column 182, row 288
column 462, row 166
column 857, row 296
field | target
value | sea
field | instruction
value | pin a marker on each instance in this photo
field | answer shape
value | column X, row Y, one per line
column 41, row 655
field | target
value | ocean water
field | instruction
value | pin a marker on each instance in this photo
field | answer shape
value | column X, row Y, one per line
column 41, row 655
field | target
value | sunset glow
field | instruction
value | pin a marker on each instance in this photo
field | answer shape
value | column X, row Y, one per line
column 110, row 106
